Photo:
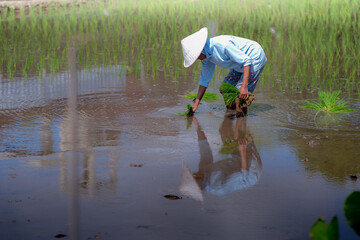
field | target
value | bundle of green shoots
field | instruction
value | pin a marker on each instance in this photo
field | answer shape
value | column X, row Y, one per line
column 189, row 111
column 208, row 96
column 329, row 102
column 230, row 93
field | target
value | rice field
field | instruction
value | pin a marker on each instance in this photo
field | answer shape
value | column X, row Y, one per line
column 309, row 44
column 113, row 111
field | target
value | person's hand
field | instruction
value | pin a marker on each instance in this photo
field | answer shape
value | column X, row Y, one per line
column 244, row 93
column 195, row 104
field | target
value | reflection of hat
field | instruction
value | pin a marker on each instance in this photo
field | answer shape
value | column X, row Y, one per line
column 189, row 186
column 193, row 45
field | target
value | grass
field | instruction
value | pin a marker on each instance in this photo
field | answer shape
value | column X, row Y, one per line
column 131, row 32
column 329, row 102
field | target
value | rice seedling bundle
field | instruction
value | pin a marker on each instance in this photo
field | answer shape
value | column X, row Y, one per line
column 189, row 111
column 208, row 96
column 230, row 93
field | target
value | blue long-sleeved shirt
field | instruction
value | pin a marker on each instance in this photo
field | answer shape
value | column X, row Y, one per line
column 232, row 53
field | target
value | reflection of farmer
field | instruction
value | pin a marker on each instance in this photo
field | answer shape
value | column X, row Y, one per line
column 245, row 59
column 240, row 168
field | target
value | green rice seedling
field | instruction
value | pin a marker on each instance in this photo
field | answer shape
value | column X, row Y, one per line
column 230, row 93
column 129, row 26
column 208, row 96
column 40, row 65
column 329, row 102
column 189, row 111
column 10, row 69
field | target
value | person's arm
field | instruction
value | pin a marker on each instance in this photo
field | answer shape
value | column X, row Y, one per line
column 245, row 62
column 200, row 94
column 244, row 92
column 207, row 71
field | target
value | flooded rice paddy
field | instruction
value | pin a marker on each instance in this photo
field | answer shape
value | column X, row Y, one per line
column 91, row 148
column 269, row 175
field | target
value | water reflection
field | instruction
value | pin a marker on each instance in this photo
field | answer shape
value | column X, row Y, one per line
column 240, row 167
column 46, row 135
column 90, row 135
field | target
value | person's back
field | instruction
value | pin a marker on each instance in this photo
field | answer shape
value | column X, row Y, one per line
column 222, row 46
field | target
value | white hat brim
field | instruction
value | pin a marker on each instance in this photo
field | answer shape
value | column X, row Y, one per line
column 192, row 46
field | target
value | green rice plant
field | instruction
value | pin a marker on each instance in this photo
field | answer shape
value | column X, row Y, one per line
column 329, row 102
column 208, row 96
column 189, row 111
column 130, row 28
column 229, row 92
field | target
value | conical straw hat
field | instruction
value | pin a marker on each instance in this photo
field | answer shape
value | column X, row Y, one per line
column 193, row 45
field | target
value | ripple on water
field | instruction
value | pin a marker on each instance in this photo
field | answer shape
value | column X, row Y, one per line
column 290, row 114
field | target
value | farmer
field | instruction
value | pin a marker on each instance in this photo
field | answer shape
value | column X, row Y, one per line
column 245, row 59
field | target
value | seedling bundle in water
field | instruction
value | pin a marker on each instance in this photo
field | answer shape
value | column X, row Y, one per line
column 230, row 93
column 189, row 111
column 208, row 96
column 329, row 102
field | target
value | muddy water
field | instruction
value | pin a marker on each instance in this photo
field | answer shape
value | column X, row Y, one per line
column 267, row 176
